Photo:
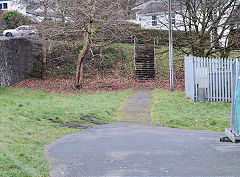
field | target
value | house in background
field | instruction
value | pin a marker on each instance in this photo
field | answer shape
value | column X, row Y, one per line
column 6, row 5
column 34, row 11
column 154, row 14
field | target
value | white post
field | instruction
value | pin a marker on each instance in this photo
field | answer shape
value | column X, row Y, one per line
column 170, row 45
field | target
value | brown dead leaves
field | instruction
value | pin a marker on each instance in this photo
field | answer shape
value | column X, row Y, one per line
column 107, row 83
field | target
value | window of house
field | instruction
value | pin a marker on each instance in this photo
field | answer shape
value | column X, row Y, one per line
column 5, row 6
column 173, row 18
column 154, row 20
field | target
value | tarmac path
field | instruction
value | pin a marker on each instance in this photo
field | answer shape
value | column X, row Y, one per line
column 140, row 149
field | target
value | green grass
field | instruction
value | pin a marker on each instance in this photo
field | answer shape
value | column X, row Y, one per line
column 162, row 61
column 1, row 30
column 174, row 110
column 128, row 54
column 26, row 128
column 234, row 54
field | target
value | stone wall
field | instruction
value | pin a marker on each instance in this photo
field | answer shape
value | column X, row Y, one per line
column 3, row 24
column 17, row 57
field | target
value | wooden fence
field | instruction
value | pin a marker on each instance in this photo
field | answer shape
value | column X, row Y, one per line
column 210, row 79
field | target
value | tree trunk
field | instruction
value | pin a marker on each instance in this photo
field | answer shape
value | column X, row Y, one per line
column 44, row 62
column 81, row 75
column 79, row 70
column 64, row 16
column 44, row 43
column 45, row 10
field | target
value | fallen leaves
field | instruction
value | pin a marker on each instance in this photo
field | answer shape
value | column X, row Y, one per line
column 107, row 83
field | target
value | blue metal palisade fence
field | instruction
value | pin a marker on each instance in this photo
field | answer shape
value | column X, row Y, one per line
column 210, row 79
column 219, row 79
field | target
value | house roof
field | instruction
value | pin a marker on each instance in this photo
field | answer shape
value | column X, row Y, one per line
column 155, row 6
column 141, row 6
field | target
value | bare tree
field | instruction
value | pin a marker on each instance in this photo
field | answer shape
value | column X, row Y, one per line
column 86, row 23
column 45, row 12
column 98, row 22
column 207, row 27
column 127, row 5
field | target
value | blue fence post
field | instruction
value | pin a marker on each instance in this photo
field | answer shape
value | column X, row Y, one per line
column 233, row 132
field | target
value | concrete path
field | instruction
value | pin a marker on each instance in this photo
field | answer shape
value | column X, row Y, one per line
column 137, row 108
column 128, row 149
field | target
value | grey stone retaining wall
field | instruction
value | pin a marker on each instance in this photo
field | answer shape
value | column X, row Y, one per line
column 17, row 57
column 3, row 24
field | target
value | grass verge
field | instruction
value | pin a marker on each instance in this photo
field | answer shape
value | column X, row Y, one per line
column 174, row 110
column 30, row 120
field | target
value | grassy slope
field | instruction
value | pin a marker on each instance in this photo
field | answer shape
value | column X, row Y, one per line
column 124, row 54
column 173, row 110
column 122, row 59
column 128, row 50
column 26, row 130
column 162, row 61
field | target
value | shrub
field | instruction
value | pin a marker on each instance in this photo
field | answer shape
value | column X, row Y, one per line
column 148, row 35
column 15, row 19
column 116, row 59
column 1, row 30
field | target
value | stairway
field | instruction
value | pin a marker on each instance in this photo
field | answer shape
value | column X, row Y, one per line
column 144, row 62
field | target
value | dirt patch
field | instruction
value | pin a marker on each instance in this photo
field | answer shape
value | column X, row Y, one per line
column 110, row 83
